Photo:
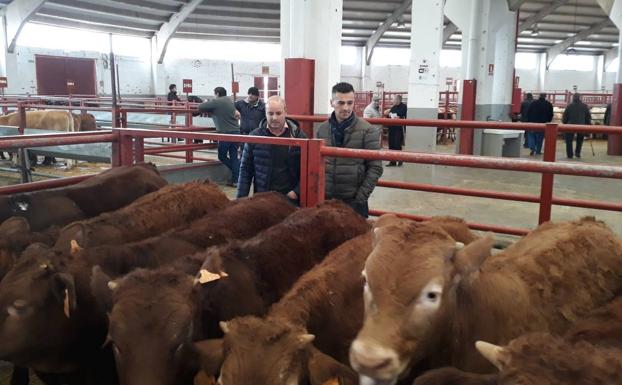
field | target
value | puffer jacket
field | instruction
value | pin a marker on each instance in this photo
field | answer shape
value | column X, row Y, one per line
column 256, row 162
column 352, row 179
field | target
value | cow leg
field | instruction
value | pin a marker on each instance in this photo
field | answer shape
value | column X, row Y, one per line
column 20, row 376
column 33, row 159
column 48, row 161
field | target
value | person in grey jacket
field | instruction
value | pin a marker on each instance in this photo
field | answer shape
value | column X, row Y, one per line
column 576, row 112
column 223, row 113
column 348, row 179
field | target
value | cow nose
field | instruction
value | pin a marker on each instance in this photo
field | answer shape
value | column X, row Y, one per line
column 371, row 356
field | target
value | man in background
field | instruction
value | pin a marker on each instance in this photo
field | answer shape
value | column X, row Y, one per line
column 252, row 110
column 172, row 94
column 350, row 180
column 540, row 111
column 576, row 112
column 223, row 113
column 524, row 107
column 396, row 133
column 373, row 109
column 271, row 167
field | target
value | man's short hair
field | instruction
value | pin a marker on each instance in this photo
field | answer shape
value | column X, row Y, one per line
column 399, row 97
column 342, row 88
column 220, row 91
column 253, row 91
column 543, row 95
column 276, row 98
column 171, row 86
column 376, row 98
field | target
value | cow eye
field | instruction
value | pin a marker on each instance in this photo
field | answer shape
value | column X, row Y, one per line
column 19, row 308
column 432, row 296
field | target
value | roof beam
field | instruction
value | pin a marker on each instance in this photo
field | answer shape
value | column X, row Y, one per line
column 449, row 30
column 611, row 55
column 514, row 5
column 375, row 38
column 557, row 49
column 541, row 14
column 168, row 29
column 16, row 16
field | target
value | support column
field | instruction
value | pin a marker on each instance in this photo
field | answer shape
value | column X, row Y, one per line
column 426, row 43
column 488, row 57
column 312, row 30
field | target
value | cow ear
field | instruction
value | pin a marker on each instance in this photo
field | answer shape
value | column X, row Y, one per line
column 65, row 292
column 325, row 370
column 470, row 258
column 102, row 288
column 209, row 356
column 14, row 226
column 71, row 234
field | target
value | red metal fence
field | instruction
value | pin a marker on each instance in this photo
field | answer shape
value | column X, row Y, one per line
column 129, row 147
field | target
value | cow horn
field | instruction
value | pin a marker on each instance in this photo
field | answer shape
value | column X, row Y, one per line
column 75, row 247
column 224, row 327
column 491, row 352
column 459, row 245
column 306, row 338
column 112, row 285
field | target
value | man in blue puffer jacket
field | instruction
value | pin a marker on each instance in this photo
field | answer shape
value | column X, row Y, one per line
column 272, row 167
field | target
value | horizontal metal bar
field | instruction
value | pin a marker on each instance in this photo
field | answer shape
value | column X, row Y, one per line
column 24, row 141
column 41, row 185
column 207, row 160
column 222, row 137
column 182, row 147
column 473, row 225
column 478, row 162
column 56, row 135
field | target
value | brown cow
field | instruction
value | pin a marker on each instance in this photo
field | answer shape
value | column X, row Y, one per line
column 277, row 349
column 427, row 296
column 172, row 206
column 55, row 320
column 110, row 190
column 540, row 358
column 239, row 278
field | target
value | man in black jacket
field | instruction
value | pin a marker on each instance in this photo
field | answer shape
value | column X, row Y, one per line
column 576, row 112
column 396, row 133
column 524, row 107
column 271, row 167
column 172, row 94
column 252, row 111
column 540, row 111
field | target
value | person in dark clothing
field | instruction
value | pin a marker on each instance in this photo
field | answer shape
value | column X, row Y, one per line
column 539, row 111
column 270, row 167
column 576, row 112
column 396, row 133
column 172, row 94
column 524, row 107
column 607, row 118
column 222, row 111
column 252, row 110
column 350, row 180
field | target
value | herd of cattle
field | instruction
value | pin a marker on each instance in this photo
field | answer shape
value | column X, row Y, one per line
column 126, row 279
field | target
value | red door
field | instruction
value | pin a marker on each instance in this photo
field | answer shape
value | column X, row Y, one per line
column 53, row 73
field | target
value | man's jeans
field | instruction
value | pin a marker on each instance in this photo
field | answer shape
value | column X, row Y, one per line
column 228, row 155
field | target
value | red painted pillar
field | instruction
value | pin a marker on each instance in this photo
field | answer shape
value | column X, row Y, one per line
column 469, row 93
column 546, row 186
column 300, row 89
column 614, row 142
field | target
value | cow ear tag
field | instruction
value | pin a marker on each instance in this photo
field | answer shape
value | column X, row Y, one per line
column 75, row 247
column 206, row 276
column 332, row 381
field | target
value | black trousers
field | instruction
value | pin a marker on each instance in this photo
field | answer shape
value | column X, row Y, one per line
column 396, row 138
column 569, row 136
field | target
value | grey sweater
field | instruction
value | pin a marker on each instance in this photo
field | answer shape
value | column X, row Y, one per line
column 348, row 178
column 222, row 111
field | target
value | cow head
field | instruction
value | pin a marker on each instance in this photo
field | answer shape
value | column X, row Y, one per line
column 269, row 351
column 152, row 320
column 37, row 305
column 409, row 276
column 88, row 122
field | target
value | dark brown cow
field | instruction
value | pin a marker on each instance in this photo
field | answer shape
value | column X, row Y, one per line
column 239, row 278
column 542, row 359
column 172, row 206
column 35, row 287
column 107, row 191
column 432, row 303
column 326, row 302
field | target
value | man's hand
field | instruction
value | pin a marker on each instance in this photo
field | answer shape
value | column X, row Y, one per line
column 292, row 195
column 237, row 115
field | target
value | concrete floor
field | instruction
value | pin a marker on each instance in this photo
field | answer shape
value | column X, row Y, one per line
column 499, row 212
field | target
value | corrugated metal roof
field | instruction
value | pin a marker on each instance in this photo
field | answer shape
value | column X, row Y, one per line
column 258, row 20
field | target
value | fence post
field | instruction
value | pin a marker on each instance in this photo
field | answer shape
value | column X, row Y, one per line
column 546, row 186
column 315, row 178
column 24, row 162
column 139, row 149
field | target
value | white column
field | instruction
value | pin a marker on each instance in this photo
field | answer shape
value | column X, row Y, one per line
column 426, row 43
column 619, row 72
column 542, row 72
column 311, row 29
